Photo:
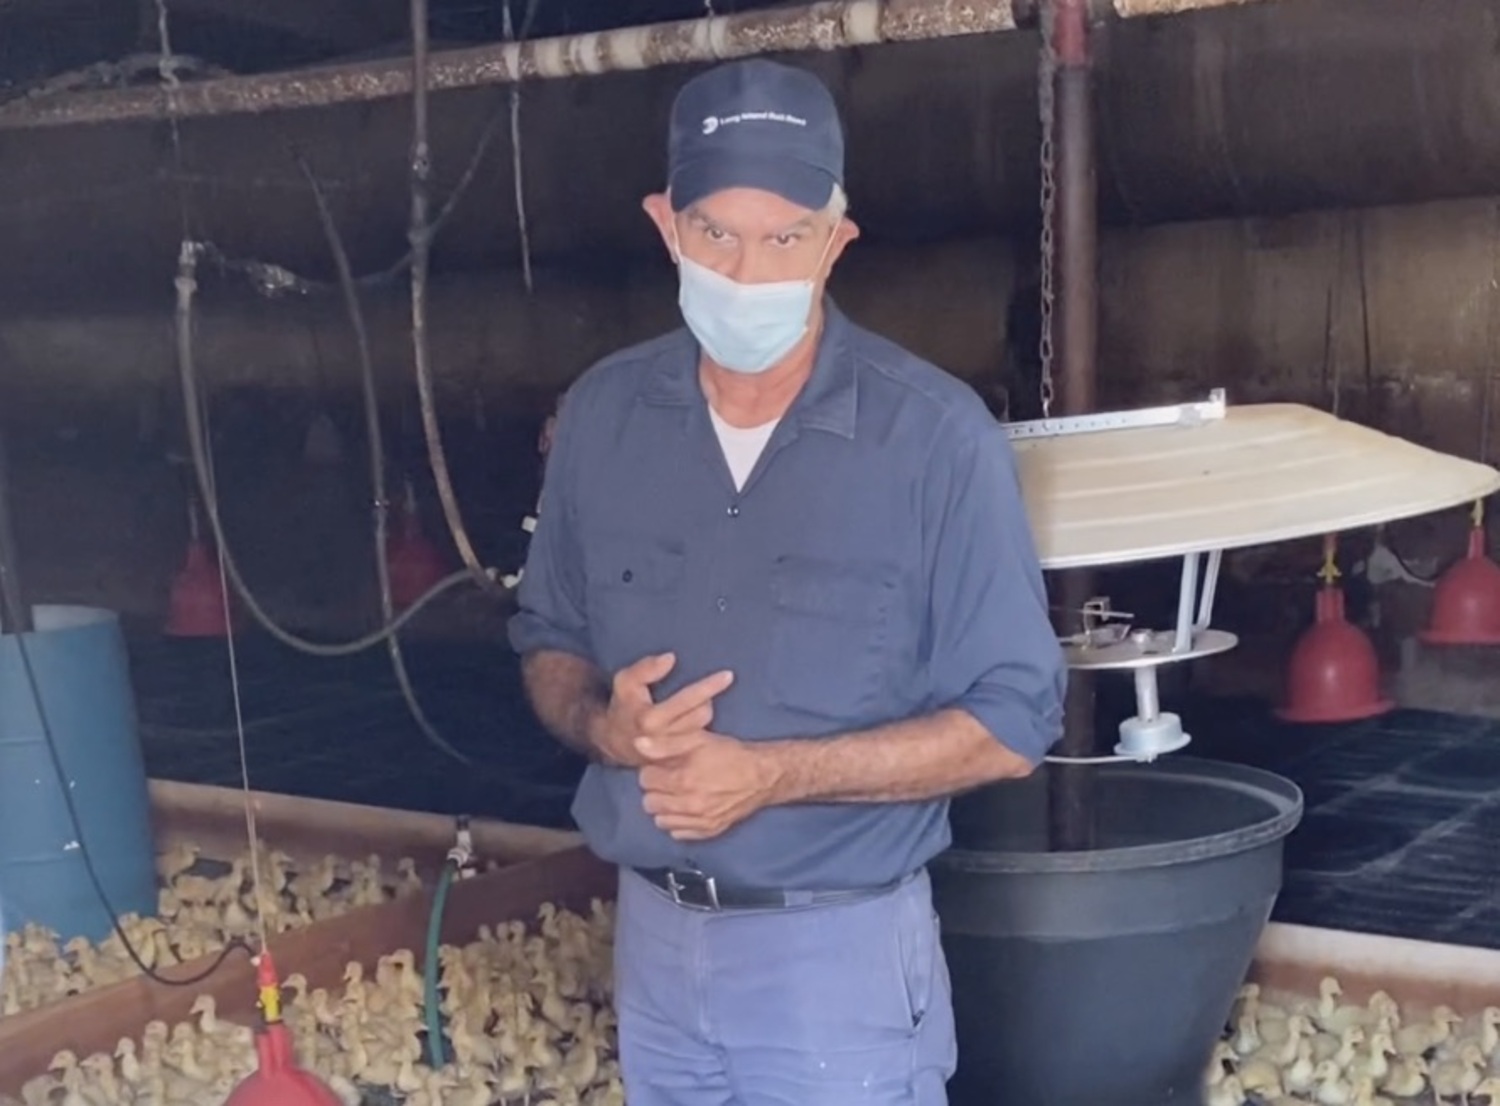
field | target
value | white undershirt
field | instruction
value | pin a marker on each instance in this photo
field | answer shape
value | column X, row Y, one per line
column 742, row 445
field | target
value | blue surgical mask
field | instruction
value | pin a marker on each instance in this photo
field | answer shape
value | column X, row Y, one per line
column 747, row 328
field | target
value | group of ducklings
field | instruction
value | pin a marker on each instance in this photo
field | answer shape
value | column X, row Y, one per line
column 197, row 915
column 527, row 1014
column 527, row 1018
column 1325, row 1052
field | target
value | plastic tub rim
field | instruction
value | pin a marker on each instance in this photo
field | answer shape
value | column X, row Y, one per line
column 1278, row 791
column 54, row 618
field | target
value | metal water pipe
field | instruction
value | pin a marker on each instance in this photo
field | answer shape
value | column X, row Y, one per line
column 795, row 27
column 1073, row 323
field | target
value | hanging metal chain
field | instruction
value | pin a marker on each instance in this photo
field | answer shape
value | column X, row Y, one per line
column 1046, row 87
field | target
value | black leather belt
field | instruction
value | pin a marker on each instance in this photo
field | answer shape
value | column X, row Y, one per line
column 703, row 892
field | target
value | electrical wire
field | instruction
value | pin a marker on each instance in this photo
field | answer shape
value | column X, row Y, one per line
column 15, row 617
column 170, row 87
column 202, row 465
column 517, row 162
column 186, row 288
column 49, row 739
column 272, row 280
column 276, row 278
column 417, row 257
column 420, row 235
column 1384, row 539
column 257, row 882
column 375, row 439
column 187, row 284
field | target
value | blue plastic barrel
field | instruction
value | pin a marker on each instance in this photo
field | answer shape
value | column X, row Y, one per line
column 79, row 659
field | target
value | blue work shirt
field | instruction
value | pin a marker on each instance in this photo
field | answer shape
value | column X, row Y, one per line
column 877, row 565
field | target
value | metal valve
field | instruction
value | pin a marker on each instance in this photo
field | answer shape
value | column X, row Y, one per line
column 462, row 855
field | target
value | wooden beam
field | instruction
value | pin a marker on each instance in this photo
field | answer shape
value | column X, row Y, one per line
column 307, row 829
column 96, row 1020
column 1293, row 959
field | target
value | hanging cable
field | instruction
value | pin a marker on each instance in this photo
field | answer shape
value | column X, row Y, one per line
column 187, row 285
column 256, row 882
column 49, row 738
column 16, row 620
column 16, row 616
column 272, row 280
column 375, row 438
column 420, row 236
column 171, row 85
column 517, row 164
column 1383, row 537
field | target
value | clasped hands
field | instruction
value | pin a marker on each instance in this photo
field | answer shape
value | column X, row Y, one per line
column 697, row 783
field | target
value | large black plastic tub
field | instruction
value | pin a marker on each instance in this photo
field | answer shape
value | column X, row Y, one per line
column 1103, row 978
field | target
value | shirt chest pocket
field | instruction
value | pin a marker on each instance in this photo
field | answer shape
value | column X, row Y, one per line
column 632, row 588
column 832, row 638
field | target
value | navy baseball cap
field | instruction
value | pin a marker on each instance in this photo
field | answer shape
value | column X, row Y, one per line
column 755, row 124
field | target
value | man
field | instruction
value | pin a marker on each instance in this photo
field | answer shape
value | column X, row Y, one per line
column 784, row 595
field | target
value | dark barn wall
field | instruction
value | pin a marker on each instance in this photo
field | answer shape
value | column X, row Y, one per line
column 1229, row 123
column 108, row 446
column 1264, row 109
column 1270, row 309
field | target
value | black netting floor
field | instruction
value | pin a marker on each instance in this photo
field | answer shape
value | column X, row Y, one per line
column 1403, row 818
column 339, row 729
column 1401, row 836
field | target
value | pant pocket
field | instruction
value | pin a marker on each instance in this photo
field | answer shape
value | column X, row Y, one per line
column 916, row 945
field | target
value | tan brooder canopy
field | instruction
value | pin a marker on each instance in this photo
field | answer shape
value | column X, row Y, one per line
column 1139, row 486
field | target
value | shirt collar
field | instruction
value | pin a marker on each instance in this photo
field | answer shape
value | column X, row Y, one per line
column 828, row 401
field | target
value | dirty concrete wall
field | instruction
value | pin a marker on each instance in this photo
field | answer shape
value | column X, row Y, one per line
column 1390, row 312
column 488, row 333
column 92, row 403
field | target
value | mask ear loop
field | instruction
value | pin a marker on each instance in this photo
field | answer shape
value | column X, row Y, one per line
column 676, row 244
column 827, row 247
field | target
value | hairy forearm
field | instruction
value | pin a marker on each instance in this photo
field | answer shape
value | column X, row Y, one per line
column 921, row 758
column 569, row 696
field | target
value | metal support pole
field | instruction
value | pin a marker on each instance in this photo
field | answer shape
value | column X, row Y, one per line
column 15, row 616
column 1071, row 807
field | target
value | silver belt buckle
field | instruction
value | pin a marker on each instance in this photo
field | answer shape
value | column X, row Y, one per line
column 676, row 888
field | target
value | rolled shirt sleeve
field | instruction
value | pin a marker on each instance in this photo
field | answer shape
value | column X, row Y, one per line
column 553, row 613
column 993, row 652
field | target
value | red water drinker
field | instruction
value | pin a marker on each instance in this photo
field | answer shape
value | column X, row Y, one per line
column 1333, row 674
column 196, row 606
column 416, row 566
column 1466, row 600
column 277, row 1081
